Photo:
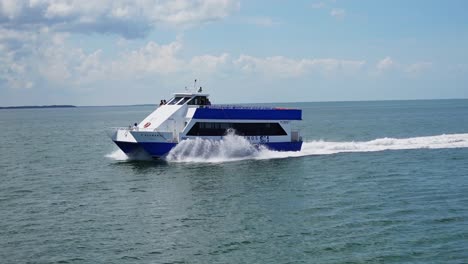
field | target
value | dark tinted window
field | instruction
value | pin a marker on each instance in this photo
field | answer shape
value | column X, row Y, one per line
column 243, row 129
column 183, row 101
column 175, row 100
column 198, row 100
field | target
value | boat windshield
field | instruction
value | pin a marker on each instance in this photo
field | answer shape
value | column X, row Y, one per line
column 174, row 100
column 184, row 100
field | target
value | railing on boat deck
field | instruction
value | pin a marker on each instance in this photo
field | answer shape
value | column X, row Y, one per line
column 246, row 107
column 173, row 139
column 132, row 128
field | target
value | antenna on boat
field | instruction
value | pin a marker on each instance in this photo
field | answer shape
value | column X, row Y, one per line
column 199, row 90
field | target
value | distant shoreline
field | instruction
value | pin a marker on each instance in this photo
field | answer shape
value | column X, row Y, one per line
column 259, row 103
column 37, row 106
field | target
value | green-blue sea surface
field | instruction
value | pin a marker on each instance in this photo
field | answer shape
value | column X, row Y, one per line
column 376, row 182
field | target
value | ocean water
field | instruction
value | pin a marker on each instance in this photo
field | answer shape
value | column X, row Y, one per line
column 376, row 182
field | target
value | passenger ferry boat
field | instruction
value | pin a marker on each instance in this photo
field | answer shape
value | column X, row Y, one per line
column 191, row 115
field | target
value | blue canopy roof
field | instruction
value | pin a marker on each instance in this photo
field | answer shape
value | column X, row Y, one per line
column 248, row 113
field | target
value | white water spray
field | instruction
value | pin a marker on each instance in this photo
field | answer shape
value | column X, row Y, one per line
column 233, row 148
column 117, row 155
column 230, row 148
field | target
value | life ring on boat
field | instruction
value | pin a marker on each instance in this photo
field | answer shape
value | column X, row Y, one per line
column 230, row 131
column 147, row 125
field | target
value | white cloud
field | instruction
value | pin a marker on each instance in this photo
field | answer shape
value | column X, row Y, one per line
column 89, row 68
column 129, row 18
column 418, row 67
column 52, row 60
column 58, row 64
column 388, row 64
column 338, row 13
column 209, row 63
column 47, row 57
column 10, row 8
column 43, row 57
column 385, row 64
column 164, row 59
column 262, row 21
column 14, row 73
column 184, row 12
column 280, row 66
column 15, row 47
column 121, row 12
column 152, row 58
column 34, row 35
column 58, row 9
column 318, row 5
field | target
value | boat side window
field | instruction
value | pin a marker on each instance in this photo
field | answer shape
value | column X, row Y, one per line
column 184, row 100
column 175, row 100
column 243, row 129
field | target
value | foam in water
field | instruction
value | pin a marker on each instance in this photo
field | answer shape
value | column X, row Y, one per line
column 233, row 148
column 117, row 155
column 381, row 144
column 230, row 148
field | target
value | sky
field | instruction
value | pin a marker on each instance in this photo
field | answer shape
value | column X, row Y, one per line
column 120, row 52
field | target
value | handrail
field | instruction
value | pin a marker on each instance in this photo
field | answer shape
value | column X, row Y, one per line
column 160, row 133
column 121, row 128
column 241, row 107
column 131, row 128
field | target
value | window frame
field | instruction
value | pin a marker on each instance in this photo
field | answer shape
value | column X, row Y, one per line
column 242, row 129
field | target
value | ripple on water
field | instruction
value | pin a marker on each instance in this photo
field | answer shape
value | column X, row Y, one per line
column 69, row 203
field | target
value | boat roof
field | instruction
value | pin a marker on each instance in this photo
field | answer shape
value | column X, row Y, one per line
column 191, row 94
column 247, row 113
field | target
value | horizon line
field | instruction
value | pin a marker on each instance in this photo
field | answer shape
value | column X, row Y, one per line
column 155, row 104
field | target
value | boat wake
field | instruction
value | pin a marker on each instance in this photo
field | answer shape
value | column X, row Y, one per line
column 234, row 148
column 119, row 155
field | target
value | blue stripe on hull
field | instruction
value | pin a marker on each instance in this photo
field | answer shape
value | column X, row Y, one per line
column 245, row 114
column 128, row 147
column 161, row 149
column 284, row 146
column 157, row 149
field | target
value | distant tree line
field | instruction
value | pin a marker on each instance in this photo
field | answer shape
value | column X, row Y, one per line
column 37, row 106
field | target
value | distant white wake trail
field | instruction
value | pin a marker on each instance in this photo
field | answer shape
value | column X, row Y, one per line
column 233, row 148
